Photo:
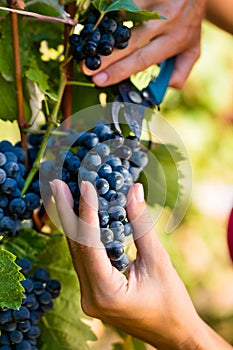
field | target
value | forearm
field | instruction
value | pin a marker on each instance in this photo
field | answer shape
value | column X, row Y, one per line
column 205, row 338
column 221, row 14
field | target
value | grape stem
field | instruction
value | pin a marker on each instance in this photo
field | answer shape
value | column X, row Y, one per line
column 80, row 83
column 99, row 20
column 51, row 124
column 22, row 123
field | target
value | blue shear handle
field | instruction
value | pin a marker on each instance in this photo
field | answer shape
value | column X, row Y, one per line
column 158, row 87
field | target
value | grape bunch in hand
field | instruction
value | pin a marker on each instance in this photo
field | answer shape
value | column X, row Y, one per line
column 112, row 163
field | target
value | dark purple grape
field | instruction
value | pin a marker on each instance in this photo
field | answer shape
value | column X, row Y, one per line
column 93, row 63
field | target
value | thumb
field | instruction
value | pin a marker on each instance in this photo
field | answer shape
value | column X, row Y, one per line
column 64, row 203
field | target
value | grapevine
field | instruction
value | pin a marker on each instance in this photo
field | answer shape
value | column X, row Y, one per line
column 111, row 161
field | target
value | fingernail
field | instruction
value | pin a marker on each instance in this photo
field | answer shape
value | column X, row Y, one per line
column 53, row 188
column 100, row 78
column 83, row 187
column 139, row 193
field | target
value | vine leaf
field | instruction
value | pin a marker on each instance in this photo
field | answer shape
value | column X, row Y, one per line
column 11, row 290
column 38, row 76
column 62, row 327
column 163, row 175
column 133, row 12
column 27, row 244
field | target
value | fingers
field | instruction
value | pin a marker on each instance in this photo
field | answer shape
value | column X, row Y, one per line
column 64, row 204
column 183, row 66
column 149, row 247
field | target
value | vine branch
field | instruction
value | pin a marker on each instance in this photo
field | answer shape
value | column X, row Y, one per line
column 18, row 77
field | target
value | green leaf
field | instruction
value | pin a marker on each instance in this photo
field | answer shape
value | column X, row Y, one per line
column 133, row 12
column 6, row 51
column 62, row 328
column 39, row 77
column 28, row 243
column 8, row 107
column 46, row 7
column 11, row 290
column 161, row 177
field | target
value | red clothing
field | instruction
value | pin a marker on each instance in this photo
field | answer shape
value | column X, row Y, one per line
column 230, row 234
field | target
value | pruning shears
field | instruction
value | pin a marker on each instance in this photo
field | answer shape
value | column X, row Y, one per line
column 132, row 97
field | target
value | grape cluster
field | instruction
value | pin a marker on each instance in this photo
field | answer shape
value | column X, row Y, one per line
column 13, row 208
column 112, row 164
column 99, row 40
column 19, row 328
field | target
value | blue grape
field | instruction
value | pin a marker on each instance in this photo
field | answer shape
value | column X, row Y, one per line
column 121, row 263
column 41, row 274
column 103, row 203
column 5, row 146
column 116, row 212
column 116, row 180
column 34, row 332
column 25, row 265
column 114, row 250
column 4, row 339
column 113, row 161
column 27, row 285
column 24, row 326
column 124, row 152
column 11, row 169
column 74, row 164
column 2, row 176
column 24, row 345
column 20, row 153
column 104, row 169
column 118, row 198
column 82, row 152
column 102, row 149
column 3, row 201
column 21, row 315
column 5, row 316
column 17, row 206
column 9, row 186
column 32, row 201
column 92, row 161
column 128, row 228
column 53, row 287
column 7, row 225
column 90, row 140
column 38, row 287
column 102, row 186
column 106, row 235
column 16, row 336
column 3, row 159
column 139, row 159
column 11, row 157
column 103, row 218
column 45, row 298
column 117, row 227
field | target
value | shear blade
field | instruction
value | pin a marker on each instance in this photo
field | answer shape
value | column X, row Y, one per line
column 134, row 117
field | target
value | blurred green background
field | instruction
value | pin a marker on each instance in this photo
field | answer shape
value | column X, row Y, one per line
column 202, row 114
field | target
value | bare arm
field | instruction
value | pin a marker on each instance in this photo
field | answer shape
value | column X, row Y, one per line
column 221, row 14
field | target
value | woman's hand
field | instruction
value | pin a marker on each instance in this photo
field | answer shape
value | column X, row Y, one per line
column 156, row 40
column 152, row 304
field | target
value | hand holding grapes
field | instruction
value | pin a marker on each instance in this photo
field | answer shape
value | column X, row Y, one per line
column 152, row 304
column 153, row 41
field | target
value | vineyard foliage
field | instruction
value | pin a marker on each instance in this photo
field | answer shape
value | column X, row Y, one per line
column 41, row 84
